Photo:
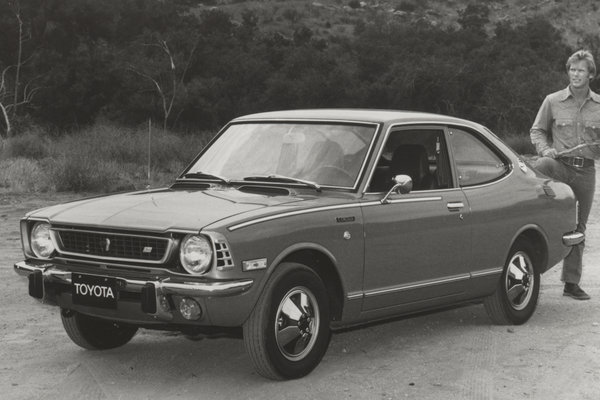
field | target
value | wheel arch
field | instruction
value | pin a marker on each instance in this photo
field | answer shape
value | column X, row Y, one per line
column 540, row 245
column 324, row 264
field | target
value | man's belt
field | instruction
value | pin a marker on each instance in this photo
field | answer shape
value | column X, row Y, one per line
column 578, row 162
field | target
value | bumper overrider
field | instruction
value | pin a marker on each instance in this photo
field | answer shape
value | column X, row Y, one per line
column 176, row 300
column 573, row 238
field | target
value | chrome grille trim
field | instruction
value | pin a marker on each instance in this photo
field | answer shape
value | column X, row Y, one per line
column 131, row 244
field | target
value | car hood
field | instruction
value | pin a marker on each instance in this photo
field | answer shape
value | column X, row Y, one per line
column 162, row 210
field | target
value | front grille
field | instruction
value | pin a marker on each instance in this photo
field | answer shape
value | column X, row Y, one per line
column 110, row 245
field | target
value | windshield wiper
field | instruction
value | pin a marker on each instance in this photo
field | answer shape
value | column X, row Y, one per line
column 281, row 178
column 204, row 175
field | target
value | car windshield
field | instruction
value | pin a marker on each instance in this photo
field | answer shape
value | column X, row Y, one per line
column 303, row 153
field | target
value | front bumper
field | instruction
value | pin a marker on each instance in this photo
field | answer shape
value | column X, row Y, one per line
column 147, row 300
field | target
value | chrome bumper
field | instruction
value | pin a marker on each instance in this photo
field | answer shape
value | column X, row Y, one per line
column 152, row 292
column 573, row 238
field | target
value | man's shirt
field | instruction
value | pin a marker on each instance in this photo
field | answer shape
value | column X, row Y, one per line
column 562, row 124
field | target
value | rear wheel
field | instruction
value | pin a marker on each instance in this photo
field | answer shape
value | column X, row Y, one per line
column 516, row 296
column 288, row 332
column 94, row 333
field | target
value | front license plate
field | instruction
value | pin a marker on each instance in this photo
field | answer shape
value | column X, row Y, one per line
column 95, row 291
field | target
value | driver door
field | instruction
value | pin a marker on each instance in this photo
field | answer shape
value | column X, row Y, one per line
column 417, row 246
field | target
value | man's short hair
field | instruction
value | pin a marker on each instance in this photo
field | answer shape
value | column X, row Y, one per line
column 583, row 55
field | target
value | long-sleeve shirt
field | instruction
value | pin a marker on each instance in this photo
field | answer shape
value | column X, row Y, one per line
column 561, row 123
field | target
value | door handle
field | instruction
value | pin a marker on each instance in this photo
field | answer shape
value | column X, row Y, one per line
column 455, row 206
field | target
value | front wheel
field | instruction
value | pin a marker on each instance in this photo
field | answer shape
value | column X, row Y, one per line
column 94, row 333
column 288, row 332
column 517, row 293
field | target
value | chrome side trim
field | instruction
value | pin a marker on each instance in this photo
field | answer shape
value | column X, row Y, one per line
column 487, row 272
column 416, row 200
column 417, row 285
column 482, row 185
column 424, row 192
column 355, row 296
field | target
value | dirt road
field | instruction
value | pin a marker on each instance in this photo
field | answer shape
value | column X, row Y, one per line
column 455, row 354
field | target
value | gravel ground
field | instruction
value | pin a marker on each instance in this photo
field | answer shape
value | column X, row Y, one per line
column 453, row 354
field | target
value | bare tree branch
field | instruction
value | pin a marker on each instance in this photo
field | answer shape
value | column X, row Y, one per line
column 158, row 89
column 167, row 97
column 3, row 88
column 189, row 62
column 16, row 8
column 6, row 121
column 20, row 95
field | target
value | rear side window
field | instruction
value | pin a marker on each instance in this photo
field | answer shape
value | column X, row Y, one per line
column 476, row 161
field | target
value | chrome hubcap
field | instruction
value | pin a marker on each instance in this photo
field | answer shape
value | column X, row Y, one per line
column 520, row 280
column 297, row 323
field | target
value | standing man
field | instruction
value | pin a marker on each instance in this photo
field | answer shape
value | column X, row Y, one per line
column 567, row 122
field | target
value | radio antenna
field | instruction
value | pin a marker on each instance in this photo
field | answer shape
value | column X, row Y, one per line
column 149, row 150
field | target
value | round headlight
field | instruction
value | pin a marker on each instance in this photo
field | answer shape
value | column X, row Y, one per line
column 196, row 254
column 41, row 241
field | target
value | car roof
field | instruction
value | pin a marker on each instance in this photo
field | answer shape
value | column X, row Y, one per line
column 356, row 115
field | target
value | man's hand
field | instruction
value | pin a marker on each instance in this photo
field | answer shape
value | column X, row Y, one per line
column 550, row 152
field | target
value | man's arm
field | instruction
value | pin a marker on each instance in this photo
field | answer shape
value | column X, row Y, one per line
column 540, row 132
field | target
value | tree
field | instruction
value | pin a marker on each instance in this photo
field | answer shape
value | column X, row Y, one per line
column 12, row 98
column 474, row 17
column 167, row 83
column 3, row 92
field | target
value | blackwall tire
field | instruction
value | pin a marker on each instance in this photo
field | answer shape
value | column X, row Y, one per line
column 516, row 295
column 95, row 333
column 288, row 331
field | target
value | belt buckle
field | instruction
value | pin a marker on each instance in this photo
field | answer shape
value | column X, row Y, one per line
column 578, row 162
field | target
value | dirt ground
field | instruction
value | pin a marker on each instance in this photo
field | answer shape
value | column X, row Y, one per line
column 454, row 354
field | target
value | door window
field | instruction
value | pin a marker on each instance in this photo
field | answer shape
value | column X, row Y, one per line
column 420, row 153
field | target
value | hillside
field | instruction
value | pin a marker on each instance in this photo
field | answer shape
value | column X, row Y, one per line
column 576, row 19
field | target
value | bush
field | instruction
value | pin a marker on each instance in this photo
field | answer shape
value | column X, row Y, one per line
column 101, row 158
column 520, row 143
column 28, row 145
column 24, row 175
column 81, row 173
column 354, row 4
column 407, row 6
column 106, row 158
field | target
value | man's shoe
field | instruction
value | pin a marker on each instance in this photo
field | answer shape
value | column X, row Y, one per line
column 573, row 290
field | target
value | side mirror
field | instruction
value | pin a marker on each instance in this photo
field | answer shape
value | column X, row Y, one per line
column 403, row 184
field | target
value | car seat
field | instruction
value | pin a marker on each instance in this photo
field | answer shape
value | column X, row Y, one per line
column 412, row 160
